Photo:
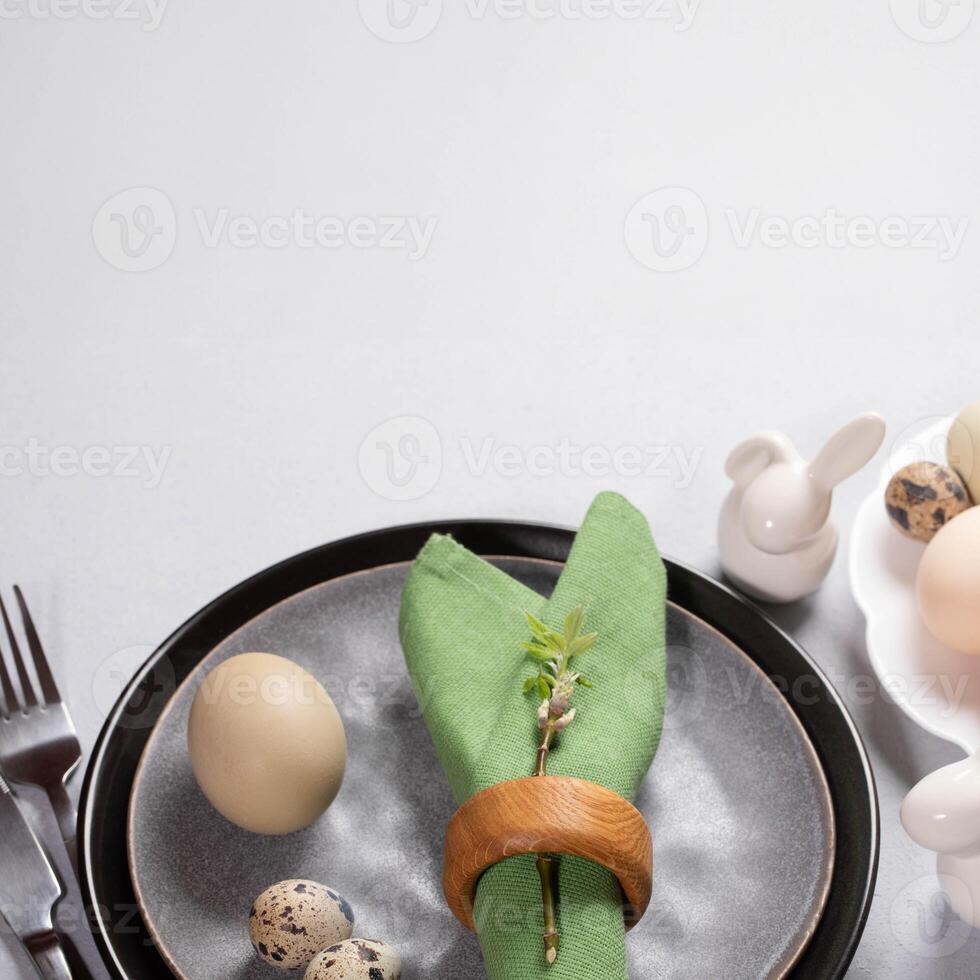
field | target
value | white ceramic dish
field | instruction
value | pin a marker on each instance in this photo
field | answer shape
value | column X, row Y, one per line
column 935, row 686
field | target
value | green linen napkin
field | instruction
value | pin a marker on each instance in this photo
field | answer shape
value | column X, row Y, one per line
column 462, row 625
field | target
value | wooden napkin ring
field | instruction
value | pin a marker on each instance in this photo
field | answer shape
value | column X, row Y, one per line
column 547, row 815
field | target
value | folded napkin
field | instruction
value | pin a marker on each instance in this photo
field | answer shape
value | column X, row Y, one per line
column 462, row 626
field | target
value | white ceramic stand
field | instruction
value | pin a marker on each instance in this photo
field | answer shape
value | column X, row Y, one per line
column 936, row 687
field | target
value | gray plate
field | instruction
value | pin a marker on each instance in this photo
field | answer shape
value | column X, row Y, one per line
column 737, row 801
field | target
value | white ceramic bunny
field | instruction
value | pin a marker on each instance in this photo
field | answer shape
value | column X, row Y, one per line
column 775, row 538
column 942, row 813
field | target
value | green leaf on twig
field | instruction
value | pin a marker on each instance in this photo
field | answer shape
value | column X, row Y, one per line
column 582, row 644
column 554, row 684
column 537, row 627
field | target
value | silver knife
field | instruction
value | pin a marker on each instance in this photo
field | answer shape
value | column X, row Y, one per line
column 29, row 890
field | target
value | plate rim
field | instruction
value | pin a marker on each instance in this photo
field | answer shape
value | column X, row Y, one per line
column 822, row 714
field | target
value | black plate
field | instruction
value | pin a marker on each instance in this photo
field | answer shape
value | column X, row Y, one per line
column 104, row 869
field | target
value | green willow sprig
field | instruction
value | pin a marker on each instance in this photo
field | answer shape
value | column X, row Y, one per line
column 554, row 684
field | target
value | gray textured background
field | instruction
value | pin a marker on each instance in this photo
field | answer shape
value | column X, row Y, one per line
column 528, row 321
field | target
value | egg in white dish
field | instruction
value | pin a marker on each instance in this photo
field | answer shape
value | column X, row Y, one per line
column 963, row 448
column 948, row 584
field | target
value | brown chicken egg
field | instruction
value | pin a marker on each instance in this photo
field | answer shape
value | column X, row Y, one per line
column 266, row 744
column 948, row 584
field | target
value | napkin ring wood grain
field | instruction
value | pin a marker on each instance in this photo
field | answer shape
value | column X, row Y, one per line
column 548, row 815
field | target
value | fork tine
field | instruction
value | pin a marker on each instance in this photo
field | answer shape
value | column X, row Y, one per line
column 48, row 687
column 27, row 689
column 8, row 704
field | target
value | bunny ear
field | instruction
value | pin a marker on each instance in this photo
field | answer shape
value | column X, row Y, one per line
column 848, row 450
column 748, row 459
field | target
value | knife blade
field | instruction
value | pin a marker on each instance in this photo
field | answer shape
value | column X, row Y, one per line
column 29, row 890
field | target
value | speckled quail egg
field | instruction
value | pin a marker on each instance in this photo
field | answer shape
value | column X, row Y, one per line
column 356, row 959
column 292, row 921
column 923, row 498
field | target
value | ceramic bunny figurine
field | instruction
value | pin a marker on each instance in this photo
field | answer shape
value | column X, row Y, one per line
column 942, row 813
column 774, row 537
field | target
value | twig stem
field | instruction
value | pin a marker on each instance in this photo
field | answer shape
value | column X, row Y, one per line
column 545, row 870
column 545, row 748
column 545, row 863
column 555, row 683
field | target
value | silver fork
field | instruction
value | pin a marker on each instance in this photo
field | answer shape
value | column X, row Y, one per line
column 38, row 744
